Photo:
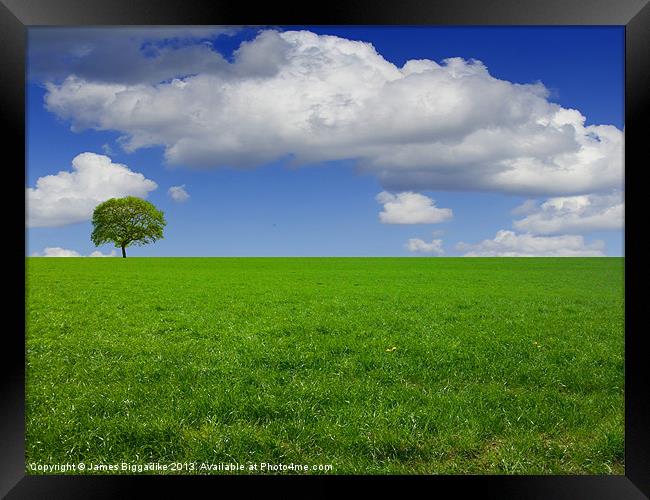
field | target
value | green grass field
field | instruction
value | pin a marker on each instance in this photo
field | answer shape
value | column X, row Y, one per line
column 371, row 365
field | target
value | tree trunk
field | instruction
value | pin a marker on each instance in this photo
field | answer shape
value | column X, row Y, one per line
column 123, row 252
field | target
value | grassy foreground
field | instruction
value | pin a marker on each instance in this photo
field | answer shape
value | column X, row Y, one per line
column 370, row 365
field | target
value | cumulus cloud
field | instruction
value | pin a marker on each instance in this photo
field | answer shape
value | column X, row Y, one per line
column 56, row 252
column 526, row 208
column 69, row 197
column 510, row 244
column 97, row 253
column 423, row 126
column 64, row 252
column 410, row 208
column 577, row 214
column 178, row 193
column 420, row 246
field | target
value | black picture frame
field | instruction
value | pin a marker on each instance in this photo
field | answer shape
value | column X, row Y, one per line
column 17, row 15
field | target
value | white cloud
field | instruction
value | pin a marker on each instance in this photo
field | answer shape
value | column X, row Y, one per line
column 295, row 94
column 97, row 253
column 56, row 252
column 178, row 193
column 69, row 197
column 64, row 252
column 410, row 208
column 420, row 246
column 527, row 207
column 575, row 214
column 509, row 244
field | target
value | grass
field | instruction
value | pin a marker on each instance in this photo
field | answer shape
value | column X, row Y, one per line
column 371, row 365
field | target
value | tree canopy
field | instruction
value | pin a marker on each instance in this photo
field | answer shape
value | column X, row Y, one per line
column 127, row 221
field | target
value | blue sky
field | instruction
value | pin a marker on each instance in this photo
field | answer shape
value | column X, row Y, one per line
column 454, row 146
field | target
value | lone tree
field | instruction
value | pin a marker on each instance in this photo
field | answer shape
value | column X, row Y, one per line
column 126, row 221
